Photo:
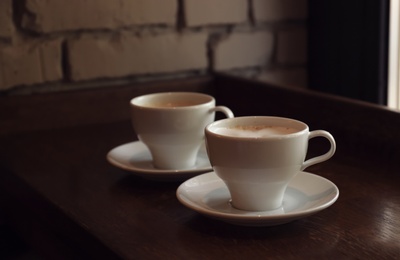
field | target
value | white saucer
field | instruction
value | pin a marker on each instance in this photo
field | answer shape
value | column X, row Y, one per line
column 305, row 195
column 136, row 157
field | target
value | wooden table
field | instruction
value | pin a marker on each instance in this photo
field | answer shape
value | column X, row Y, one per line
column 58, row 190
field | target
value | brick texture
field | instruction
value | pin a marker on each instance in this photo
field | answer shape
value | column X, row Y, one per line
column 204, row 12
column 6, row 20
column 292, row 47
column 91, row 58
column 243, row 50
column 275, row 10
column 68, row 41
column 30, row 64
column 47, row 16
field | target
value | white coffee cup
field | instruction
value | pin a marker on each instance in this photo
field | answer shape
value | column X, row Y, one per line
column 171, row 125
column 256, row 157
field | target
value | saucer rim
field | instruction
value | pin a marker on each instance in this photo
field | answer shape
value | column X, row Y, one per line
column 153, row 172
column 257, row 220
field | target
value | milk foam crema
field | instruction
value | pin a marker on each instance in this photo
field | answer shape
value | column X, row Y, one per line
column 173, row 104
column 255, row 131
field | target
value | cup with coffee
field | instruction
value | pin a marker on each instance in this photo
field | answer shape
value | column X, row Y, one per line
column 257, row 156
column 171, row 125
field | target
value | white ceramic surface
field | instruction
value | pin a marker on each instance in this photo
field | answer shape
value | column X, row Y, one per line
column 135, row 157
column 306, row 194
column 255, row 165
column 172, row 124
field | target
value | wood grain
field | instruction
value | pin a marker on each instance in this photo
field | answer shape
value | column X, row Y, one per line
column 65, row 198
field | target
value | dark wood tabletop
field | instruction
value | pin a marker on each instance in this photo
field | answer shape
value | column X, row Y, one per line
column 60, row 193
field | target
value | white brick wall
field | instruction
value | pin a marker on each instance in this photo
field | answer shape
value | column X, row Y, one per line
column 243, row 50
column 126, row 55
column 6, row 25
column 207, row 12
column 275, row 10
column 61, row 15
column 30, row 64
column 68, row 41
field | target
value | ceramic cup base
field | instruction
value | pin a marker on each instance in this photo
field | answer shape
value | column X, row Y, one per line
column 174, row 158
column 279, row 210
column 265, row 200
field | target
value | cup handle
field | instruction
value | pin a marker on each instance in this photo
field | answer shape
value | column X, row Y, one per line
column 327, row 155
column 224, row 110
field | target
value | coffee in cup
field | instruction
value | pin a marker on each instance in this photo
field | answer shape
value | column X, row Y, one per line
column 256, row 157
column 171, row 125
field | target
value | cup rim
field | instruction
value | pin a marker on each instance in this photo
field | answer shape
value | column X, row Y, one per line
column 134, row 102
column 304, row 129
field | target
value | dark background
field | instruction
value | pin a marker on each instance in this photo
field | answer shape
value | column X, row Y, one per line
column 348, row 48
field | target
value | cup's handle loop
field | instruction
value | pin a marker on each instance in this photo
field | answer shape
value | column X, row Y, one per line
column 224, row 110
column 327, row 155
